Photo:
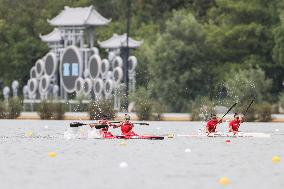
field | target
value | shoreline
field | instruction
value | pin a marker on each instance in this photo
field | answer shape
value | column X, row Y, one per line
column 119, row 116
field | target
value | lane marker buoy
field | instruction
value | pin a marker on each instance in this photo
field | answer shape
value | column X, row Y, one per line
column 52, row 154
column 123, row 164
column 29, row 134
column 170, row 135
column 276, row 159
column 123, row 143
column 224, row 181
column 187, row 150
column 228, row 141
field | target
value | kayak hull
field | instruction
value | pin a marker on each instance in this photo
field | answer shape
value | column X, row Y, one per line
column 141, row 137
column 240, row 134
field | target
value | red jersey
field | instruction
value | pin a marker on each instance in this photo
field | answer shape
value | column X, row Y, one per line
column 211, row 125
column 235, row 124
column 104, row 131
column 103, row 122
column 126, row 128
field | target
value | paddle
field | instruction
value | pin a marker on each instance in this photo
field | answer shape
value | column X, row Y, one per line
column 249, row 106
column 78, row 124
column 228, row 111
column 133, row 123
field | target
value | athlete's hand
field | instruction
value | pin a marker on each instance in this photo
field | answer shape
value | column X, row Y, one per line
column 92, row 125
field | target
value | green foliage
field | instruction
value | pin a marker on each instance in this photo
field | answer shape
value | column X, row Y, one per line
column 263, row 112
column 15, row 108
column 44, row 110
column 12, row 109
column 243, row 85
column 143, row 103
column 181, row 66
column 102, row 107
column 51, row 110
column 189, row 47
column 201, row 109
column 281, row 100
column 3, row 110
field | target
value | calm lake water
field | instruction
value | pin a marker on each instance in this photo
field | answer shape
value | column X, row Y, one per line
column 139, row 164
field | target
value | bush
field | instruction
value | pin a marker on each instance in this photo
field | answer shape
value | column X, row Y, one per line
column 281, row 101
column 263, row 112
column 143, row 109
column 3, row 110
column 15, row 108
column 51, row 110
column 201, row 109
column 59, row 110
column 12, row 110
column 158, row 108
column 44, row 110
column 103, row 107
column 143, row 104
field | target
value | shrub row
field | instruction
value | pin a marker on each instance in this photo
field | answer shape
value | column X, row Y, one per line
column 11, row 109
column 51, row 110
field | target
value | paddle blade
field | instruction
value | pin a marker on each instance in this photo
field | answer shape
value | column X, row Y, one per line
column 76, row 124
column 229, row 109
column 142, row 123
column 249, row 106
column 115, row 121
column 101, row 126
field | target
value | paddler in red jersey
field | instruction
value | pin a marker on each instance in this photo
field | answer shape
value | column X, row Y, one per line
column 235, row 123
column 104, row 131
column 212, row 124
column 126, row 127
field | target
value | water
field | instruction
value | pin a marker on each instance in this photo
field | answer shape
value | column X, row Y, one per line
column 180, row 162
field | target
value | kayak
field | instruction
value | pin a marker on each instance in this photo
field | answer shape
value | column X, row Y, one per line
column 141, row 137
column 239, row 134
column 75, row 133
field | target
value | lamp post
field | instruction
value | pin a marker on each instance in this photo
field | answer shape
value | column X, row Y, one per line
column 127, row 53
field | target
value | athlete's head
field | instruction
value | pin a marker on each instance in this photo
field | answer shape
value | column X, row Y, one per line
column 236, row 116
column 104, row 117
column 127, row 117
column 213, row 116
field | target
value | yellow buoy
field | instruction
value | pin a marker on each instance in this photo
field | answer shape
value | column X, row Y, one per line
column 29, row 134
column 52, row 154
column 224, row 181
column 170, row 135
column 276, row 159
column 122, row 143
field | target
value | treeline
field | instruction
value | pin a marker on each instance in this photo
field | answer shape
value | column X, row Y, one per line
column 226, row 50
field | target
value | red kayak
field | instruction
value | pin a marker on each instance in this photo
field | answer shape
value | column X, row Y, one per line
column 140, row 137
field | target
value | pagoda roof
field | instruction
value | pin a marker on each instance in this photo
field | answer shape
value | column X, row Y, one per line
column 53, row 36
column 79, row 17
column 118, row 41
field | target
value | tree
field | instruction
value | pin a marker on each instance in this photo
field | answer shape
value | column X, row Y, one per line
column 181, row 70
column 243, row 85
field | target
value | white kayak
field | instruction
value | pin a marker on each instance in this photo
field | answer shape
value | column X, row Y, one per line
column 229, row 134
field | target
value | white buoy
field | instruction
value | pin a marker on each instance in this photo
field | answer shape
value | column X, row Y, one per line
column 158, row 128
column 46, row 127
column 123, row 165
column 276, row 130
column 187, row 150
